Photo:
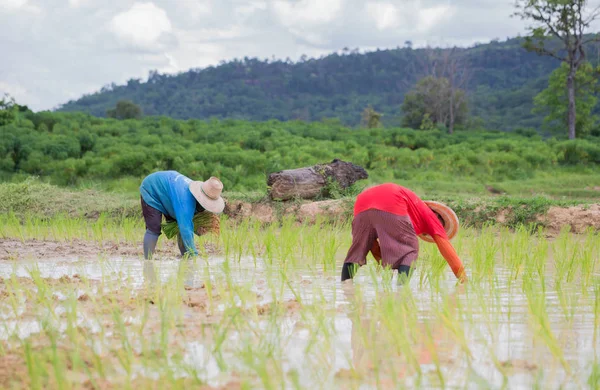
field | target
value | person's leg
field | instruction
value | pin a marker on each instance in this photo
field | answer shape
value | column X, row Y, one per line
column 180, row 245
column 398, row 242
column 349, row 270
column 153, row 218
column 150, row 240
column 403, row 273
column 363, row 236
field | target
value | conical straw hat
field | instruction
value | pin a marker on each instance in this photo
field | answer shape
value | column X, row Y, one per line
column 451, row 224
column 208, row 194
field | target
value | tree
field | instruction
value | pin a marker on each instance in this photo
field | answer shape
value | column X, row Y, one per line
column 8, row 110
column 434, row 101
column 558, row 31
column 125, row 109
column 554, row 99
column 370, row 118
column 457, row 73
column 451, row 65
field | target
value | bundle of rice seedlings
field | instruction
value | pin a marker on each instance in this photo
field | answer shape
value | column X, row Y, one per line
column 204, row 222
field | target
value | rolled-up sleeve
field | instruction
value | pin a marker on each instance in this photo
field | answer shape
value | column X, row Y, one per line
column 448, row 252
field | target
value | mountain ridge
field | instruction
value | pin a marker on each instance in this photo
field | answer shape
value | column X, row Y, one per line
column 504, row 78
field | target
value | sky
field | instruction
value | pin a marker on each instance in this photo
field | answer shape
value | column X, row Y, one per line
column 57, row 50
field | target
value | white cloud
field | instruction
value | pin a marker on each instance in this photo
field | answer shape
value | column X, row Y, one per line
column 77, row 3
column 15, row 90
column 385, row 15
column 80, row 45
column 12, row 4
column 196, row 9
column 429, row 17
column 163, row 63
column 308, row 20
column 250, row 7
column 18, row 5
column 209, row 34
column 388, row 16
column 141, row 26
column 306, row 11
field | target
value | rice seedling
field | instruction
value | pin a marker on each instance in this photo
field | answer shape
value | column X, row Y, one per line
column 263, row 306
column 204, row 222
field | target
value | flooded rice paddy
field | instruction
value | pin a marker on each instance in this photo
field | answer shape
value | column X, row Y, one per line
column 266, row 309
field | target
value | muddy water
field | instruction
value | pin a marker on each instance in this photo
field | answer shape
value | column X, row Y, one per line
column 503, row 337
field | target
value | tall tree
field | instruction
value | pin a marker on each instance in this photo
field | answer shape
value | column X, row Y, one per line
column 451, row 69
column 558, row 30
column 429, row 103
column 8, row 110
column 370, row 118
column 455, row 69
column 125, row 109
column 553, row 100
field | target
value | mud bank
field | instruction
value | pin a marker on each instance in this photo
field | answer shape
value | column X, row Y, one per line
column 553, row 218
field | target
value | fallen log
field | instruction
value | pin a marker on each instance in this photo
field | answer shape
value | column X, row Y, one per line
column 315, row 181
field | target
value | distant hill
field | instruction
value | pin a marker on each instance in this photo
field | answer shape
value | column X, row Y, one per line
column 504, row 78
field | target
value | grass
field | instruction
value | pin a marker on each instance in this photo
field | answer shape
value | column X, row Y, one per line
column 271, row 312
column 262, row 307
column 33, row 197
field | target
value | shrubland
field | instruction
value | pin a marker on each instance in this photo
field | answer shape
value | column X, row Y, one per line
column 75, row 149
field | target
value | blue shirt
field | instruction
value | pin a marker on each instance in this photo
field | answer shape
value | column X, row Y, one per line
column 169, row 193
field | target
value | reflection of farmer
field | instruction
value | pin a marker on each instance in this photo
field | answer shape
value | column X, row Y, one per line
column 388, row 219
column 177, row 197
column 373, row 346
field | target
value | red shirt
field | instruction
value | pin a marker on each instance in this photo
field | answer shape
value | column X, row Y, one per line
column 398, row 200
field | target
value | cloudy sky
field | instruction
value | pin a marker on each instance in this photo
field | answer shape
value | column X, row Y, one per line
column 57, row 50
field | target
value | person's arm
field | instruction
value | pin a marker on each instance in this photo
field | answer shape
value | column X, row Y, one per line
column 184, row 214
column 448, row 252
column 186, row 230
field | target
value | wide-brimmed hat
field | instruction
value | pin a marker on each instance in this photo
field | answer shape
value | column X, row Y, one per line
column 451, row 224
column 208, row 194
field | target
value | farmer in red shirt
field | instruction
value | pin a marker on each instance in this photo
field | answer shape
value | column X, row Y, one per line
column 388, row 219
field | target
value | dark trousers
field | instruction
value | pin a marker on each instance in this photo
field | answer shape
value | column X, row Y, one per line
column 153, row 217
column 397, row 238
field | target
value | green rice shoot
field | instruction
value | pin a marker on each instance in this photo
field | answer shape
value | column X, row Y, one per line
column 204, row 222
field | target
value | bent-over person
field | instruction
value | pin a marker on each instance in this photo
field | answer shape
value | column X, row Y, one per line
column 178, row 198
column 388, row 221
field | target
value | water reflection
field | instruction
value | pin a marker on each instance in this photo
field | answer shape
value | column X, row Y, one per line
column 149, row 273
column 495, row 317
column 391, row 348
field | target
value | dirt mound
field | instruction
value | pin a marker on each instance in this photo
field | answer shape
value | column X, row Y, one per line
column 262, row 212
column 330, row 209
column 267, row 212
column 579, row 218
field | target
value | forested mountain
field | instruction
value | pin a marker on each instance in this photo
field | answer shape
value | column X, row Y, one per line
column 503, row 79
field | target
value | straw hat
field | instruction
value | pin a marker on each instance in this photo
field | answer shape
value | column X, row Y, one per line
column 451, row 224
column 208, row 194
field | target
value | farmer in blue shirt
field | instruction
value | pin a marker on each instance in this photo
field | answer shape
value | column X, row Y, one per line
column 179, row 198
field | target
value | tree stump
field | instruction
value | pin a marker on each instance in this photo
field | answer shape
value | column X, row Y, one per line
column 311, row 182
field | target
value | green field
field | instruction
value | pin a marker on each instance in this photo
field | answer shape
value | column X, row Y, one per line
column 262, row 305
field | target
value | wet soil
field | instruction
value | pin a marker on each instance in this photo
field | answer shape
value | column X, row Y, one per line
column 12, row 249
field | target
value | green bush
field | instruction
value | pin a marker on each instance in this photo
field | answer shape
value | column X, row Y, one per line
column 75, row 148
